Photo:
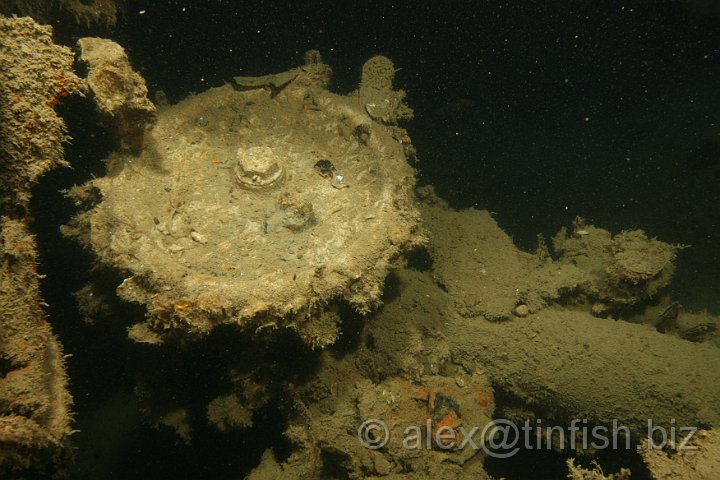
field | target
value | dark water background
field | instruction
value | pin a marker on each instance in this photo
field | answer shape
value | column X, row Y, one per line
column 535, row 110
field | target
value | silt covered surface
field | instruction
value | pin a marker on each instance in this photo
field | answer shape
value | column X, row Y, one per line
column 231, row 214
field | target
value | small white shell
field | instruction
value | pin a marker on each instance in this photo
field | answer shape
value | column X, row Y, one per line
column 337, row 181
column 198, row 237
column 175, row 248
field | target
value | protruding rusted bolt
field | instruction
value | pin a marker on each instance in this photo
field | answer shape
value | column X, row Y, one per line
column 258, row 167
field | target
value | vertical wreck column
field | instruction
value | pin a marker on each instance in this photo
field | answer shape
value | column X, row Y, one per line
column 35, row 74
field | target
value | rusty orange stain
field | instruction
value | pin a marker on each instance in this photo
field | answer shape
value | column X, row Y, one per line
column 484, row 399
column 17, row 371
column 181, row 306
column 450, row 421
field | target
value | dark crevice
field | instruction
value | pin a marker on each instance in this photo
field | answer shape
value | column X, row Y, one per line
column 540, row 458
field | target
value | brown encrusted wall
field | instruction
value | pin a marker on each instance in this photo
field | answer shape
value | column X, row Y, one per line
column 35, row 74
column 34, row 401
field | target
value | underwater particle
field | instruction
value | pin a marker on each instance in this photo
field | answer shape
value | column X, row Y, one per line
column 521, row 310
column 258, row 167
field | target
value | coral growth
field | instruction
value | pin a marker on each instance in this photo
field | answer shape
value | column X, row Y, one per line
column 120, row 93
column 376, row 94
column 35, row 75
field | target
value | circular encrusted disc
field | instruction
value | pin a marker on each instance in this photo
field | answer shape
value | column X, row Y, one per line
column 198, row 249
